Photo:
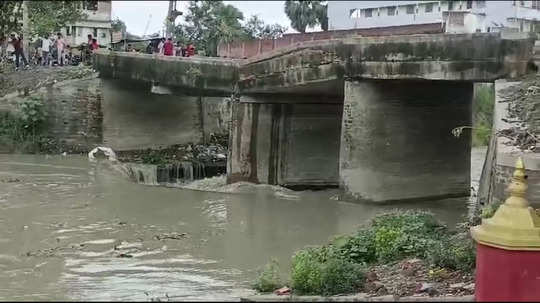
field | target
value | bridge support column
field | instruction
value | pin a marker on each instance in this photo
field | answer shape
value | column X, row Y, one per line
column 396, row 141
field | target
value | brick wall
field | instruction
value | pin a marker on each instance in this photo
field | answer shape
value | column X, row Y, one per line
column 74, row 117
column 251, row 48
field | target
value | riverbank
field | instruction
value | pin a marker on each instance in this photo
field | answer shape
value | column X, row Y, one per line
column 24, row 82
column 399, row 253
column 50, row 110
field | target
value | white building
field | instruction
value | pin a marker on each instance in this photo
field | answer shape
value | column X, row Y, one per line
column 98, row 24
column 454, row 16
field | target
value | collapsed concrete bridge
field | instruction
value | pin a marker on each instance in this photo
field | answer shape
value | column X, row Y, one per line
column 370, row 115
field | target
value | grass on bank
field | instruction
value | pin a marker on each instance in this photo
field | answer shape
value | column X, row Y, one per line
column 483, row 105
column 22, row 130
column 339, row 267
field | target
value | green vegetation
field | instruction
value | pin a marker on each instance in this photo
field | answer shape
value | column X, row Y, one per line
column 489, row 210
column 268, row 279
column 304, row 14
column 45, row 16
column 324, row 271
column 483, row 104
column 207, row 23
column 22, row 130
column 339, row 267
column 155, row 157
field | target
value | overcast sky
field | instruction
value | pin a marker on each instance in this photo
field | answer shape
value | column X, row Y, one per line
column 136, row 13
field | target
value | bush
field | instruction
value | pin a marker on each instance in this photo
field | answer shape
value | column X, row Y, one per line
column 268, row 279
column 404, row 234
column 322, row 271
column 23, row 129
column 458, row 252
column 359, row 248
column 339, row 267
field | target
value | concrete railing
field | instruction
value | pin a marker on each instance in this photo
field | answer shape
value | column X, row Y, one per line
column 252, row 48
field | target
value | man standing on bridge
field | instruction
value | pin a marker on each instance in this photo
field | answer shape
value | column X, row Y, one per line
column 168, row 47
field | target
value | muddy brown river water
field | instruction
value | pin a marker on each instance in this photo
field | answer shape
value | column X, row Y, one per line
column 75, row 230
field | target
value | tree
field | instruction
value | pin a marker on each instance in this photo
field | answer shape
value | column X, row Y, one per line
column 304, row 14
column 207, row 23
column 50, row 16
column 45, row 16
column 322, row 16
column 118, row 25
column 256, row 29
column 10, row 17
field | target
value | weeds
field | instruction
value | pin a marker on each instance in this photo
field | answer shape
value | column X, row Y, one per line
column 339, row 267
column 321, row 271
column 483, row 104
column 23, row 130
column 268, row 279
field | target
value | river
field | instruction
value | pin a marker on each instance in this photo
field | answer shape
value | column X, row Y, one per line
column 75, row 230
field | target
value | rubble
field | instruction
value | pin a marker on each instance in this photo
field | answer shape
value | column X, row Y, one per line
column 414, row 277
column 523, row 114
column 213, row 152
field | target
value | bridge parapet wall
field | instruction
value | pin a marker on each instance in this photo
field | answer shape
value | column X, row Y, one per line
column 464, row 57
column 213, row 75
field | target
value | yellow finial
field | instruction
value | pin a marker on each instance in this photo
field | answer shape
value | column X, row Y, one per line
column 514, row 225
column 518, row 187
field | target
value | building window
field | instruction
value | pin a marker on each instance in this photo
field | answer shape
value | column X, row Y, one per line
column 91, row 5
column 522, row 3
column 368, row 13
column 74, row 30
column 391, row 10
column 79, row 32
column 536, row 4
column 450, row 5
column 429, row 7
column 469, row 4
column 68, row 31
column 410, row 9
column 103, row 35
column 354, row 13
column 95, row 32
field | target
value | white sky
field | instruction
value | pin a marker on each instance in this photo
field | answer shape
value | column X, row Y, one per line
column 136, row 13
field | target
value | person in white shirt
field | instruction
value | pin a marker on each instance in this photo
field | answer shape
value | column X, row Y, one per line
column 160, row 46
column 45, row 49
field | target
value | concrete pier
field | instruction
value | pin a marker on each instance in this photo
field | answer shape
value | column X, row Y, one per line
column 396, row 140
column 295, row 145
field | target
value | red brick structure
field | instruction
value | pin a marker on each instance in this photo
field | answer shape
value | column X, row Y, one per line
column 251, row 48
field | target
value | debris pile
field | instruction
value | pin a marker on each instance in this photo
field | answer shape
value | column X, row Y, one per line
column 414, row 277
column 523, row 114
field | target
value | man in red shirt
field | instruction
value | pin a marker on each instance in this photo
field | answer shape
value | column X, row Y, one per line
column 95, row 45
column 168, row 48
column 18, row 45
column 190, row 52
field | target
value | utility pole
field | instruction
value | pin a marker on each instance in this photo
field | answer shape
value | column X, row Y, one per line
column 25, row 25
column 171, row 16
column 169, row 23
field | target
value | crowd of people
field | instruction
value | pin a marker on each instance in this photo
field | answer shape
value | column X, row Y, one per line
column 51, row 50
column 166, row 47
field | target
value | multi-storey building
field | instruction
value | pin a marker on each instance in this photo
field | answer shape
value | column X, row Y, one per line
column 97, row 23
column 454, row 16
